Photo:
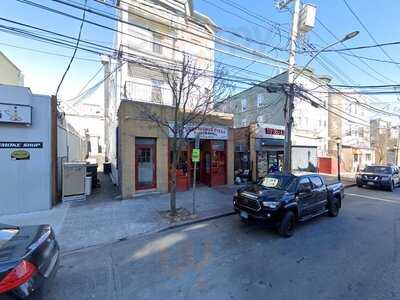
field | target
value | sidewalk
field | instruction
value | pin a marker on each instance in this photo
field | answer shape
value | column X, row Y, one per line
column 105, row 219
column 347, row 179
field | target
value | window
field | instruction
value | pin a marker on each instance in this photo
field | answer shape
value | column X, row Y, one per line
column 304, row 184
column 260, row 119
column 244, row 122
column 260, row 100
column 244, row 104
column 316, row 182
column 348, row 130
column 156, row 91
column 355, row 157
column 368, row 157
column 157, row 47
column 361, row 131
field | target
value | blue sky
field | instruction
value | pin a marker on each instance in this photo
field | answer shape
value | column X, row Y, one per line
column 43, row 72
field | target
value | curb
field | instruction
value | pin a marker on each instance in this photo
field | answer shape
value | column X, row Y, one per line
column 199, row 220
column 350, row 186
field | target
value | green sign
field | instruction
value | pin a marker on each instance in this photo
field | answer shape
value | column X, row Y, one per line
column 196, row 155
column 20, row 155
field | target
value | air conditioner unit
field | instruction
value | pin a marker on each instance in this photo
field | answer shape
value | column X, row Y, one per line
column 73, row 183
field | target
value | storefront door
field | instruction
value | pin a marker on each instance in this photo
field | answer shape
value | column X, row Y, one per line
column 145, row 164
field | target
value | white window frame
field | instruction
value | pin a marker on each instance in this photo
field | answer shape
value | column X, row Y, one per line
column 156, row 87
column 244, row 122
column 244, row 104
column 260, row 100
column 157, row 44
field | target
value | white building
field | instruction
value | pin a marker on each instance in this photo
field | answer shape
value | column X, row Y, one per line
column 9, row 72
column 263, row 104
column 154, row 33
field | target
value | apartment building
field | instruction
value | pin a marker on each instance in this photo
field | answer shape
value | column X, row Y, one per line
column 263, row 105
column 349, row 120
column 385, row 140
column 155, row 36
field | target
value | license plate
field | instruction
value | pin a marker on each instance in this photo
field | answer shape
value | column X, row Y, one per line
column 244, row 214
column 371, row 183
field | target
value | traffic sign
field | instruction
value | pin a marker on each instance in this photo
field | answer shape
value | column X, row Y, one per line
column 196, row 155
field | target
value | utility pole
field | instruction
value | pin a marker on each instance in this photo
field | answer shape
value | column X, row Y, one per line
column 289, row 105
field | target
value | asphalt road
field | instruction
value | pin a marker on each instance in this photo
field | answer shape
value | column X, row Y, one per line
column 353, row 256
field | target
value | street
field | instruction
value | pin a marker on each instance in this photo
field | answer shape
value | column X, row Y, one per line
column 353, row 256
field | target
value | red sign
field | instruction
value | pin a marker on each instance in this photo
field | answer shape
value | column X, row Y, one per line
column 274, row 131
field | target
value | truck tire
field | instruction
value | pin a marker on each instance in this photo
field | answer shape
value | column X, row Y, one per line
column 286, row 228
column 333, row 208
column 391, row 187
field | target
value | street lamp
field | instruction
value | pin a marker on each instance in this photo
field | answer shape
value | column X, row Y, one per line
column 338, row 142
column 347, row 37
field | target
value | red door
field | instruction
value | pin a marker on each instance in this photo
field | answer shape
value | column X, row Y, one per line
column 145, row 166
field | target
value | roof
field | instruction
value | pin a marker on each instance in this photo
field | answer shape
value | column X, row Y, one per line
column 9, row 61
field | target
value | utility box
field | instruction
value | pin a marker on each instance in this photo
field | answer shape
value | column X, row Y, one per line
column 307, row 18
column 73, row 184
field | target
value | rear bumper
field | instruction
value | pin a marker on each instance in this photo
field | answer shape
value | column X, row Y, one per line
column 46, row 272
column 264, row 214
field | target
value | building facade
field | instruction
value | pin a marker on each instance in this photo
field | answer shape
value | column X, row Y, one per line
column 385, row 140
column 263, row 105
column 353, row 130
column 9, row 73
column 153, row 40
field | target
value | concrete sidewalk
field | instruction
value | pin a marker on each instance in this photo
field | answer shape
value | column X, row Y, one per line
column 348, row 180
column 105, row 219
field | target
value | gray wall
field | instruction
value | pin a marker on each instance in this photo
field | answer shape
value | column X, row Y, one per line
column 25, row 185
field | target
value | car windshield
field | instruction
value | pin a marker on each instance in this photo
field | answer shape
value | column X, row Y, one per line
column 378, row 169
column 280, row 182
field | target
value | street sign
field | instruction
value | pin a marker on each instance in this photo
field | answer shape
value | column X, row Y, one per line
column 196, row 155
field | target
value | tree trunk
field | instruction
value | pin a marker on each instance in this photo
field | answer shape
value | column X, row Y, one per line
column 173, row 175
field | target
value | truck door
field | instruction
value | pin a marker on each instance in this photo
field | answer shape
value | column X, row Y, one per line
column 320, row 192
column 304, row 196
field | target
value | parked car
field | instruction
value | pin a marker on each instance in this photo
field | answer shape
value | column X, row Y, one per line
column 284, row 199
column 384, row 177
column 29, row 257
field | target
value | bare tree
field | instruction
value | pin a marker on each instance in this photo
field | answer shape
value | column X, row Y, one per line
column 195, row 89
column 381, row 142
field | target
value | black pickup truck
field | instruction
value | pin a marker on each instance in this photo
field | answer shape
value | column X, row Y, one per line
column 285, row 199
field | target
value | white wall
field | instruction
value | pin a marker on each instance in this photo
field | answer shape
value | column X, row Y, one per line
column 25, row 185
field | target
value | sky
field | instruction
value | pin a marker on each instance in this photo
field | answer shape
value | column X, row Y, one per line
column 43, row 72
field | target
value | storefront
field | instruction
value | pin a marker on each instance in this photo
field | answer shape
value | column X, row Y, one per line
column 145, row 154
column 269, row 147
column 212, row 169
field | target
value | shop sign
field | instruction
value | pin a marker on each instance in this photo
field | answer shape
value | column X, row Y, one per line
column 13, row 145
column 15, row 113
column 270, row 131
column 195, row 155
column 20, row 155
column 205, row 132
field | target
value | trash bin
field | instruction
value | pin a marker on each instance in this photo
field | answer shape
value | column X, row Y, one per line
column 88, row 185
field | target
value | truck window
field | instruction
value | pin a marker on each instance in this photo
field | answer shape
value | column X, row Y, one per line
column 304, row 183
column 316, row 182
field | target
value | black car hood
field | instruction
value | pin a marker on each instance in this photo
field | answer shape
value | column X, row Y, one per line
column 265, row 194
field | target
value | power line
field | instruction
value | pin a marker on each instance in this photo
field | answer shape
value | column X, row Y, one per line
column 75, row 50
column 366, row 29
column 102, row 14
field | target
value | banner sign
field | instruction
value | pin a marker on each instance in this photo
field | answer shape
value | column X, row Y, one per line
column 205, row 132
column 15, row 113
column 13, row 145
column 270, row 131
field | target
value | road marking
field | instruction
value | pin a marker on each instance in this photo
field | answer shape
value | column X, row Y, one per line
column 373, row 198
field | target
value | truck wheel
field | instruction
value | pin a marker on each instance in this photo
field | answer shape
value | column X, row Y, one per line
column 333, row 208
column 286, row 228
column 391, row 187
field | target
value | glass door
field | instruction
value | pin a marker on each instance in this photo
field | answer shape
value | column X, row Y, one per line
column 145, row 163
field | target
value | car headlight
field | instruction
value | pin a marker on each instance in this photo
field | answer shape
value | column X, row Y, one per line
column 271, row 204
